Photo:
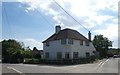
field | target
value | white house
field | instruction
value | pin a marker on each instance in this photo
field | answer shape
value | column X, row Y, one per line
column 67, row 44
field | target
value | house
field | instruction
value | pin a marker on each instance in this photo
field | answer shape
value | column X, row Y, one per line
column 67, row 44
column 37, row 53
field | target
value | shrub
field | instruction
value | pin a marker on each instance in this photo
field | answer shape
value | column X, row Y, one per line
column 31, row 61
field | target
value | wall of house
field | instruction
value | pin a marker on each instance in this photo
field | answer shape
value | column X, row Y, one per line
column 56, row 46
column 82, row 49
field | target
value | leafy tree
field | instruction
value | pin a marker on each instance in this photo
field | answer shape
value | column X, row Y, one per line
column 28, row 53
column 102, row 44
column 12, row 51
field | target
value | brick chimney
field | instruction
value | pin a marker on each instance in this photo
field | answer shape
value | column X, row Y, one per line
column 89, row 36
column 57, row 29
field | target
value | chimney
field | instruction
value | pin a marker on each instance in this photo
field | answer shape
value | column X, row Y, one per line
column 57, row 29
column 89, row 36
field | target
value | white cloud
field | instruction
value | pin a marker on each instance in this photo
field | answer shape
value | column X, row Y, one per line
column 32, row 43
column 26, row 11
column 87, row 12
column 110, row 32
column 78, row 8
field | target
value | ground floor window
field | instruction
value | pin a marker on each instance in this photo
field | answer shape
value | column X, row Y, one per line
column 59, row 55
column 87, row 54
column 67, row 55
column 47, row 55
column 75, row 55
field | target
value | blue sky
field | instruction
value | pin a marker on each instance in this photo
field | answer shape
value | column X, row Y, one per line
column 18, row 24
column 32, row 22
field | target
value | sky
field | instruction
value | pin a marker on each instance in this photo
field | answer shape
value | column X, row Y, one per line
column 33, row 21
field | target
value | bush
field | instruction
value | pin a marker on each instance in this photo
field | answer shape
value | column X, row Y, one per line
column 31, row 61
column 81, row 60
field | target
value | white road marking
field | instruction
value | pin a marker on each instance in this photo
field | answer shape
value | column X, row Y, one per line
column 16, row 70
column 29, row 65
column 51, row 66
column 100, row 64
column 99, row 67
column 104, row 63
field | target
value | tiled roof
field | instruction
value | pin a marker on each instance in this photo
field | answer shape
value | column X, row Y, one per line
column 66, row 34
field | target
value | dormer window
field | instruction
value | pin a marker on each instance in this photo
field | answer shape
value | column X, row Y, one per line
column 70, row 41
column 47, row 44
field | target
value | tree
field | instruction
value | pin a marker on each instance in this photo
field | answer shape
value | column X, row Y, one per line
column 12, row 51
column 28, row 53
column 102, row 44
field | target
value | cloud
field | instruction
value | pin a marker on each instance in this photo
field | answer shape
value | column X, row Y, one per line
column 85, row 11
column 90, row 13
column 26, row 11
column 31, row 43
column 110, row 32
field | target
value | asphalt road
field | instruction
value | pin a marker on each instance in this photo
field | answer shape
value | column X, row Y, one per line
column 103, row 66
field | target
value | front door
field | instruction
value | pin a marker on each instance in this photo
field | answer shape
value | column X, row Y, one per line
column 67, row 55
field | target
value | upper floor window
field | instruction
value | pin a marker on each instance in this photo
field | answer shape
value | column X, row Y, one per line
column 70, row 41
column 81, row 42
column 87, row 43
column 47, row 44
column 63, row 41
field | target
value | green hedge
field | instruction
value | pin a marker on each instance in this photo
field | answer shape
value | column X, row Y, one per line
column 31, row 61
column 62, row 61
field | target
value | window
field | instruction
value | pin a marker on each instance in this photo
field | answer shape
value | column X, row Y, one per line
column 81, row 42
column 75, row 55
column 70, row 41
column 87, row 54
column 47, row 55
column 47, row 44
column 87, row 43
column 59, row 55
column 67, row 56
column 63, row 41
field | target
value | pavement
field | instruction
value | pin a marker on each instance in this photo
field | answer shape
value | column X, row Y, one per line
column 105, row 66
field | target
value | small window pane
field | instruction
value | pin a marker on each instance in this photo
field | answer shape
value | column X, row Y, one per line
column 59, row 55
column 87, row 54
column 47, row 55
column 47, row 44
column 87, row 43
column 81, row 42
column 75, row 55
column 63, row 41
column 67, row 56
column 70, row 41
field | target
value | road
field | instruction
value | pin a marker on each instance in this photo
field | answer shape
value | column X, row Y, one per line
column 103, row 66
